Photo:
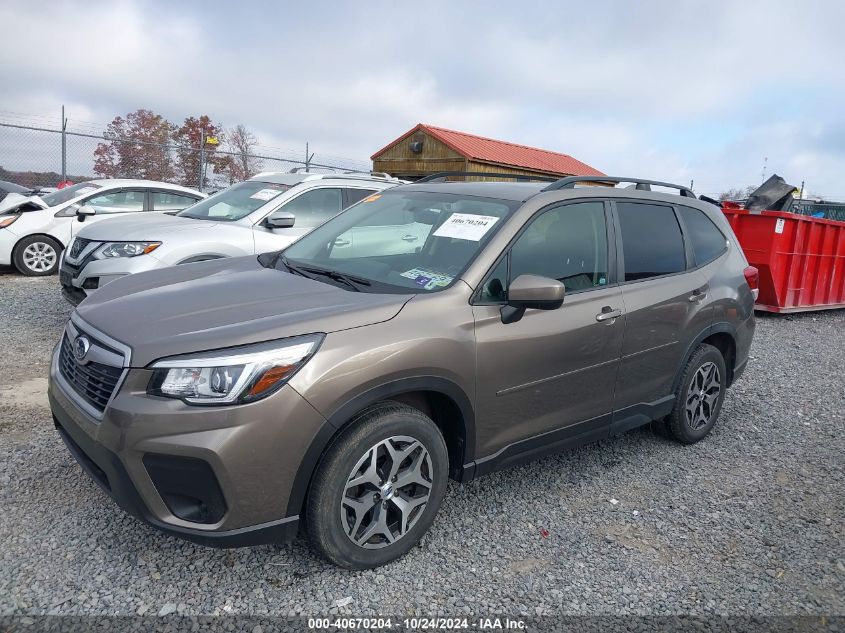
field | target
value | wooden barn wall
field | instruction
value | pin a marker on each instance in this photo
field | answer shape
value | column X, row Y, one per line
column 435, row 156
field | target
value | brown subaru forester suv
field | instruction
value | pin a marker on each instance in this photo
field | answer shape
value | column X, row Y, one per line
column 433, row 330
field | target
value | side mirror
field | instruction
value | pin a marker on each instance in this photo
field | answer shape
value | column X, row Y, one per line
column 280, row 220
column 84, row 211
column 532, row 291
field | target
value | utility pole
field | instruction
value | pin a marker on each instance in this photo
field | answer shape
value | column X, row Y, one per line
column 308, row 158
column 691, row 183
column 202, row 158
column 64, row 145
column 801, row 192
column 765, row 164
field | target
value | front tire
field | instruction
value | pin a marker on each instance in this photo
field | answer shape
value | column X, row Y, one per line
column 378, row 487
column 37, row 256
column 700, row 395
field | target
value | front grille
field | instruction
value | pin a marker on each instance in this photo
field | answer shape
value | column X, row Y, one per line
column 94, row 382
column 78, row 246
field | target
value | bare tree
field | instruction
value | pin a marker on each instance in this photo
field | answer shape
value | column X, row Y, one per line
column 737, row 194
column 241, row 163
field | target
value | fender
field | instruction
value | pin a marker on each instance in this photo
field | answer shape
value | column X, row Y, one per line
column 714, row 328
column 341, row 417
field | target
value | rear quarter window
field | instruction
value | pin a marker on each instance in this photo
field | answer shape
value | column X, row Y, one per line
column 708, row 242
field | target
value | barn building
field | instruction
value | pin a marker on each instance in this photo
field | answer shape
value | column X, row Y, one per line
column 426, row 149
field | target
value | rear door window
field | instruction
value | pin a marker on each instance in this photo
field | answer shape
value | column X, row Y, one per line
column 356, row 195
column 708, row 242
column 652, row 244
column 169, row 201
column 314, row 207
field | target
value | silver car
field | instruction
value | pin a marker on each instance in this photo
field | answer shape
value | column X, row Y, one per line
column 265, row 213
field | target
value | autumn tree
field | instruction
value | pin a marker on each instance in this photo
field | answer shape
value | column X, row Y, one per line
column 196, row 133
column 240, row 163
column 136, row 147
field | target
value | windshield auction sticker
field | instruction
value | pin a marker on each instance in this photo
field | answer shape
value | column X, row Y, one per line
column 466, row 226
column 266, row 194
column 428, row 279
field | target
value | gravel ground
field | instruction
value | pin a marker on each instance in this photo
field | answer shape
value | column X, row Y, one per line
column 750, row 521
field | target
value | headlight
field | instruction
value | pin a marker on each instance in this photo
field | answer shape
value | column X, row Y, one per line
column 6, row 221
column 235, row 375
column 125, row 249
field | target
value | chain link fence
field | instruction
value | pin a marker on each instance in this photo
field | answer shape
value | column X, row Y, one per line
column 43, row 155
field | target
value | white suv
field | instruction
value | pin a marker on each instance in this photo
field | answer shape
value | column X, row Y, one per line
column 34, row 230
column 265, row 213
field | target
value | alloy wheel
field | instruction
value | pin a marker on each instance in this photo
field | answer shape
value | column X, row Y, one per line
column 386, row 492
column 703, row 395
column 39, row 257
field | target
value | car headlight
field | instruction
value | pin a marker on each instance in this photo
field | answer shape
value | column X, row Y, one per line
column 232, row 376
column 125, row 249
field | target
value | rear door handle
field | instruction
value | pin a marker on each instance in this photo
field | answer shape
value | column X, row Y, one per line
column 410, row 238
column 341, row 242
column 698, row 294
column 608, row 313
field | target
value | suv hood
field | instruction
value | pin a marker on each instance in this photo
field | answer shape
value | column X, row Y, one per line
column 223, row 303
column 142, row 227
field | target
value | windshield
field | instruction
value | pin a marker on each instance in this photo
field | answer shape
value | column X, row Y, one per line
column 398, row 241
column 234, row 203
column 68, row 193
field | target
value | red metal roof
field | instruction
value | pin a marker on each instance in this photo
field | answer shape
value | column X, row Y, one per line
column 501, row 152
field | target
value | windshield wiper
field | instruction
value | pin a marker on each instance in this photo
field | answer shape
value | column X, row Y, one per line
column 306, row 271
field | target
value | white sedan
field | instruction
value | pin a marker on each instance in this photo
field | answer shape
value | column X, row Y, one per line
column 35, row 230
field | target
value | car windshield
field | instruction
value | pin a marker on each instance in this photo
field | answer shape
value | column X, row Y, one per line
column 234, row 203
column 68, row 193
column 397, row 242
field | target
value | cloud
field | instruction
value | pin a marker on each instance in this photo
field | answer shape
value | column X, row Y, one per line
column 679, row 90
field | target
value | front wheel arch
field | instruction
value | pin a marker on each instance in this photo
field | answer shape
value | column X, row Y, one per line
column 195, row 259
column 403, row 391
column 26, row 239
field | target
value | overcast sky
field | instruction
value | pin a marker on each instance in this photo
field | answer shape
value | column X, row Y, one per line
column 669, row 90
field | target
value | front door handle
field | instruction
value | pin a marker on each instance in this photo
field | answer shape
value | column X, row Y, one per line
column 341, row 242
column 608, row 313
column 410, row 238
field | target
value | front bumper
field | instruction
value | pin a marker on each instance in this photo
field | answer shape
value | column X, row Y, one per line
column 85, row 277
column 253, row 453
column 7, row 243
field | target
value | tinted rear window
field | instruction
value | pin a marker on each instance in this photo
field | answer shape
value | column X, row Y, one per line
column 707, row 240
column 652, row 244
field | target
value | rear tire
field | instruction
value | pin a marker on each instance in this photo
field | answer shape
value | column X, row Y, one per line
column 359, row 513
column 699, row 398
column 37, row 256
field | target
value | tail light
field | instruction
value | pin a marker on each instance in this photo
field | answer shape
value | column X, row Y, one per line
column 752, row 276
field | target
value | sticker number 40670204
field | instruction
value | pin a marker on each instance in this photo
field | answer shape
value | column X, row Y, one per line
column 466, row 226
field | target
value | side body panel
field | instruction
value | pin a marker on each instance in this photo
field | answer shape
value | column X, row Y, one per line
column 551, row 370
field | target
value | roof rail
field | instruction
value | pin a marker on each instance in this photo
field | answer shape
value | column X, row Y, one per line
column 643, row 185
column 353, row 176
column 443, row 175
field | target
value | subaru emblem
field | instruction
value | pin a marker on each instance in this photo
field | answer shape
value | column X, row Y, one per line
column 81, row 346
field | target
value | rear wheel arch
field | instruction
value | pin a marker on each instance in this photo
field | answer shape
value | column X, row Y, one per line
column 438, row 398
column 722, row 336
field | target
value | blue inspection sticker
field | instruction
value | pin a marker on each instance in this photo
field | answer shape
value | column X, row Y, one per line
column 422, row 281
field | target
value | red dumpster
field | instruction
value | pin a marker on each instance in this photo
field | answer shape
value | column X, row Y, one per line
column 801, row 259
